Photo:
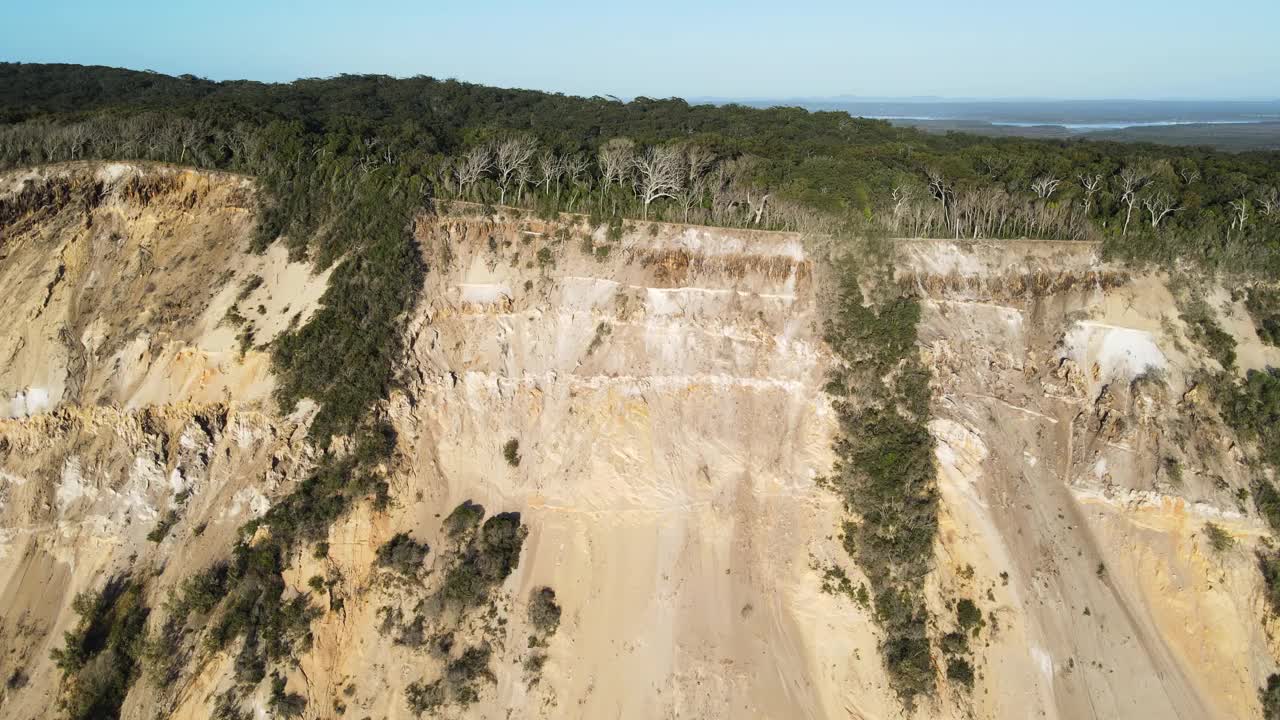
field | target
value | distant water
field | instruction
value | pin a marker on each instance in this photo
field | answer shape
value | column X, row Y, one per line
column 1076, row 126
column 1074, row 115
column 1118, row 124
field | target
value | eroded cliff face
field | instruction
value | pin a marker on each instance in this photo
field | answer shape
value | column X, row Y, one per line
column 664, row 386
column 1078, row 455
column 127, row 402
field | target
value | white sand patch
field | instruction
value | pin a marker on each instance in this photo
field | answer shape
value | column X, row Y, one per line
column 250, row 499
column 585, row 292
column 1120, row 353
column 945, row 259
column 960, row 453
column 7, row 481
column 29, row 401
column 721, row 242
column 669, row 301
column 1043, row 660
column 72, row 485
column 177, row 483
column 1133, row 503
column 484, row 293
column 112, row 172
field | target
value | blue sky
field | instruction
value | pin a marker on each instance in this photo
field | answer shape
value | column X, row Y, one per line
column 998, row 48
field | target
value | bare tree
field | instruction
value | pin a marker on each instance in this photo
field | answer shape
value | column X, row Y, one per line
column 902, row 195
column 524, row 178
column 757, row 203
column 189, row 134
column 659, row 174
column 511, row 159
column 938, row 186
column 727, row 182
column 615, row 159
column 577, row 170
column 1240, row 213
column 1189, row 174
column 77, row 138
column 1269, row 201
column 1092, row 184
column 550, row 170
column 472, row 166
column 1131, row 181
column 697, row 162
column 1159, row 205
column 1044, row 186
column 691, row 194
column 942, row 191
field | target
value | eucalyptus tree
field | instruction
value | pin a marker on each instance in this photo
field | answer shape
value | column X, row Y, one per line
column 659, row 174
column 511, row 160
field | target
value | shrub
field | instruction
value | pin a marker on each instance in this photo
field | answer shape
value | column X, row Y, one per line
column 511, row 451
column 959, row 670
column 1267, row 500
column 228, row 707
column 544, row 613
column 533, row 667
column 1252, row 408
column 425, row 698
column 1269, row 696
column 1220, row 540
column 954, row 643
column 469, row 668
column 1263, row 305
column 402, row 554
column 100, row 657
column 1269, row 564
column 968, row 616
column 485, row 561
column 166, row 522
column 251, row 283
column 464, row 518
column 603, row 330
column 1203, row 328
column 414, row 634
column 283, row 703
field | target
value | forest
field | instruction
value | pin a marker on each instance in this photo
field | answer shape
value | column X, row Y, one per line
column 783, row 168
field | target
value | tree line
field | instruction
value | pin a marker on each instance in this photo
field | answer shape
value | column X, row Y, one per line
column 781, row 168
column 684, row 180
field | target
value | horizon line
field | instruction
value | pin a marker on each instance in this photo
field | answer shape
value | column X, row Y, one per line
column 711, row 99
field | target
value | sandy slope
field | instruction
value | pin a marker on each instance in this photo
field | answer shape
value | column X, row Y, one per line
column 667, row 399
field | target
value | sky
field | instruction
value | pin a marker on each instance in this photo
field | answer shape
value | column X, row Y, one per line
column 1083, row 49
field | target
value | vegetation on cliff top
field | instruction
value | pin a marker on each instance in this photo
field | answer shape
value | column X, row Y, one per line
column 726, row 165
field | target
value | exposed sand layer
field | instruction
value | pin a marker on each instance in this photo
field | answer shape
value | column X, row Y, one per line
column 665, row 389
